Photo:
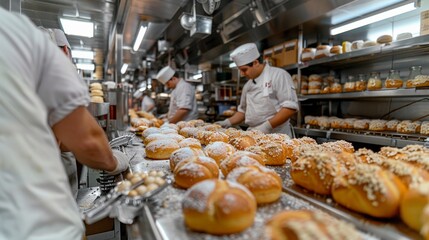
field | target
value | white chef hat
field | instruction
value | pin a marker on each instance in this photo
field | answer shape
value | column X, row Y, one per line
column 245, row 54
column 165, row 74
column 60, row 38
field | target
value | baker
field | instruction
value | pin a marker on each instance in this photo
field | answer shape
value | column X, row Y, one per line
column 268, row 98
column 183, row 104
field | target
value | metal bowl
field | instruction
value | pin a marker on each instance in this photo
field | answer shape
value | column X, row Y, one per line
column 187, row 21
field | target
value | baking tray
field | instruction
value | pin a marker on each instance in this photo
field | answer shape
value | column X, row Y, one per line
column 392, row 228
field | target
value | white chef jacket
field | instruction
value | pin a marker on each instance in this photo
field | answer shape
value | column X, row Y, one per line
column 35, row 199
column 274, row 89
column 147, row 103
column 183, row 96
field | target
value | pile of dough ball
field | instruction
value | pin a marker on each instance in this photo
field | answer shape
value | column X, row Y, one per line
column 151, row 181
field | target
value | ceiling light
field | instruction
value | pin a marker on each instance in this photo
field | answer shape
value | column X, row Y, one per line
column 124, row 68
column 232, row 65
column 83, row 54
column 197, row 76
column 374, row 18
column 85, row 66
column 139, row 38
column 78, row 28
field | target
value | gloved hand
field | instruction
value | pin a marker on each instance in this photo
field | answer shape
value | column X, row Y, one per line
column 264, row 127
column 225, row 123
column 123, row 162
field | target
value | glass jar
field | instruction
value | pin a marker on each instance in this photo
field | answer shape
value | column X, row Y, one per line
column 336, row 86
column 415, row 71
column 374, row 81
column 349, row 86
column 360, row 84
column 325, row 87
column 393, row 80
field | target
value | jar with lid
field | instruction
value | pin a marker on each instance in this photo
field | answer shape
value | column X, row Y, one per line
column 335, row 86
column 415, row 71
column 350, row 86
column 360, row 84
column 393, row 80
column 374, row 81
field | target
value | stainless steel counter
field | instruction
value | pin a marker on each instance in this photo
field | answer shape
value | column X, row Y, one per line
column 161, row 218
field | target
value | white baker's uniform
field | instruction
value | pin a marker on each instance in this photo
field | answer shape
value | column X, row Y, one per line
column 147, row 103
column 183, row 96
column 35, row 198
column 273, row 90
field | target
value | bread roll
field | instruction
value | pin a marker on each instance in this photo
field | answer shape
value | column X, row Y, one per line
column 219, row 151
column 369, row 44
column 408, row 126
column 306, row 224
column 193, row 170
column 197, row 122
column 308, row 54
column 391, row 125
column 275, row 153
column 361, row 124
column 364, row 155
column 370, row 190
column 336, row 49
column 189, row 132
column 356, row 45
column 384, row 39
column 182, row 154
column 322, row 51
column 97, row 99
column 412, row 205
column 316, row 171
column 242, row 142
column 240, row 159
column 182, row 124
column 161, row 149
column 96, row 92
column 216, row 137
column 190, row 142
column 265, row 184
column 407, row 173
column 218, row 207
column 377, row 125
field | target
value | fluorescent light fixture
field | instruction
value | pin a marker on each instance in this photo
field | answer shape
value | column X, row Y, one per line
column 83, row 54
column 232, row 65
column 85, row 66
column 124, row 68
column 374, row 18
column 197, row 76
column 78, row 28
column 139, row 38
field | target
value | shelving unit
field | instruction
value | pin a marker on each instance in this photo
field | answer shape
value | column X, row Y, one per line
column 404, row 49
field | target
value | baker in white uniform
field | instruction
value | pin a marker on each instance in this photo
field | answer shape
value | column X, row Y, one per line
column 183, row 105
column 268, row 98
column 35, row 200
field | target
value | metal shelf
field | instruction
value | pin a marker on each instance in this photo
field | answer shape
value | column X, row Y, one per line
column 403, row 92
column 371, row 53
column 376, row 138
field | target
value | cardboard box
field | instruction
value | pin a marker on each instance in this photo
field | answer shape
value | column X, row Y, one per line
column 286, row 53
column 424, row 22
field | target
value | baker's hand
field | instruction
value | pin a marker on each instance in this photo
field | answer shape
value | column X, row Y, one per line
column 225, row 123
column 122, row 162
column 264, row 127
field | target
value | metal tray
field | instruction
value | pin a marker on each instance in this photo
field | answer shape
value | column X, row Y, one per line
column 382, row 228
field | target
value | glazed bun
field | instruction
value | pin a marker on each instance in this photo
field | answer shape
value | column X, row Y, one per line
column 370, row 190
column 218, row 207
column 306, row 224
column 161, row 149
column 412, row 205
column 193, row 170
column 182, row 154
column 219, row 151
column 265, row 184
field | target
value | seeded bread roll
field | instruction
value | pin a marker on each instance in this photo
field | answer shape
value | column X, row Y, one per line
column 218, row 207
column 265, row 184
column 370, row 190
column 243, row 142
column 315, row 171
column 377, row 125
column 306, row 224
